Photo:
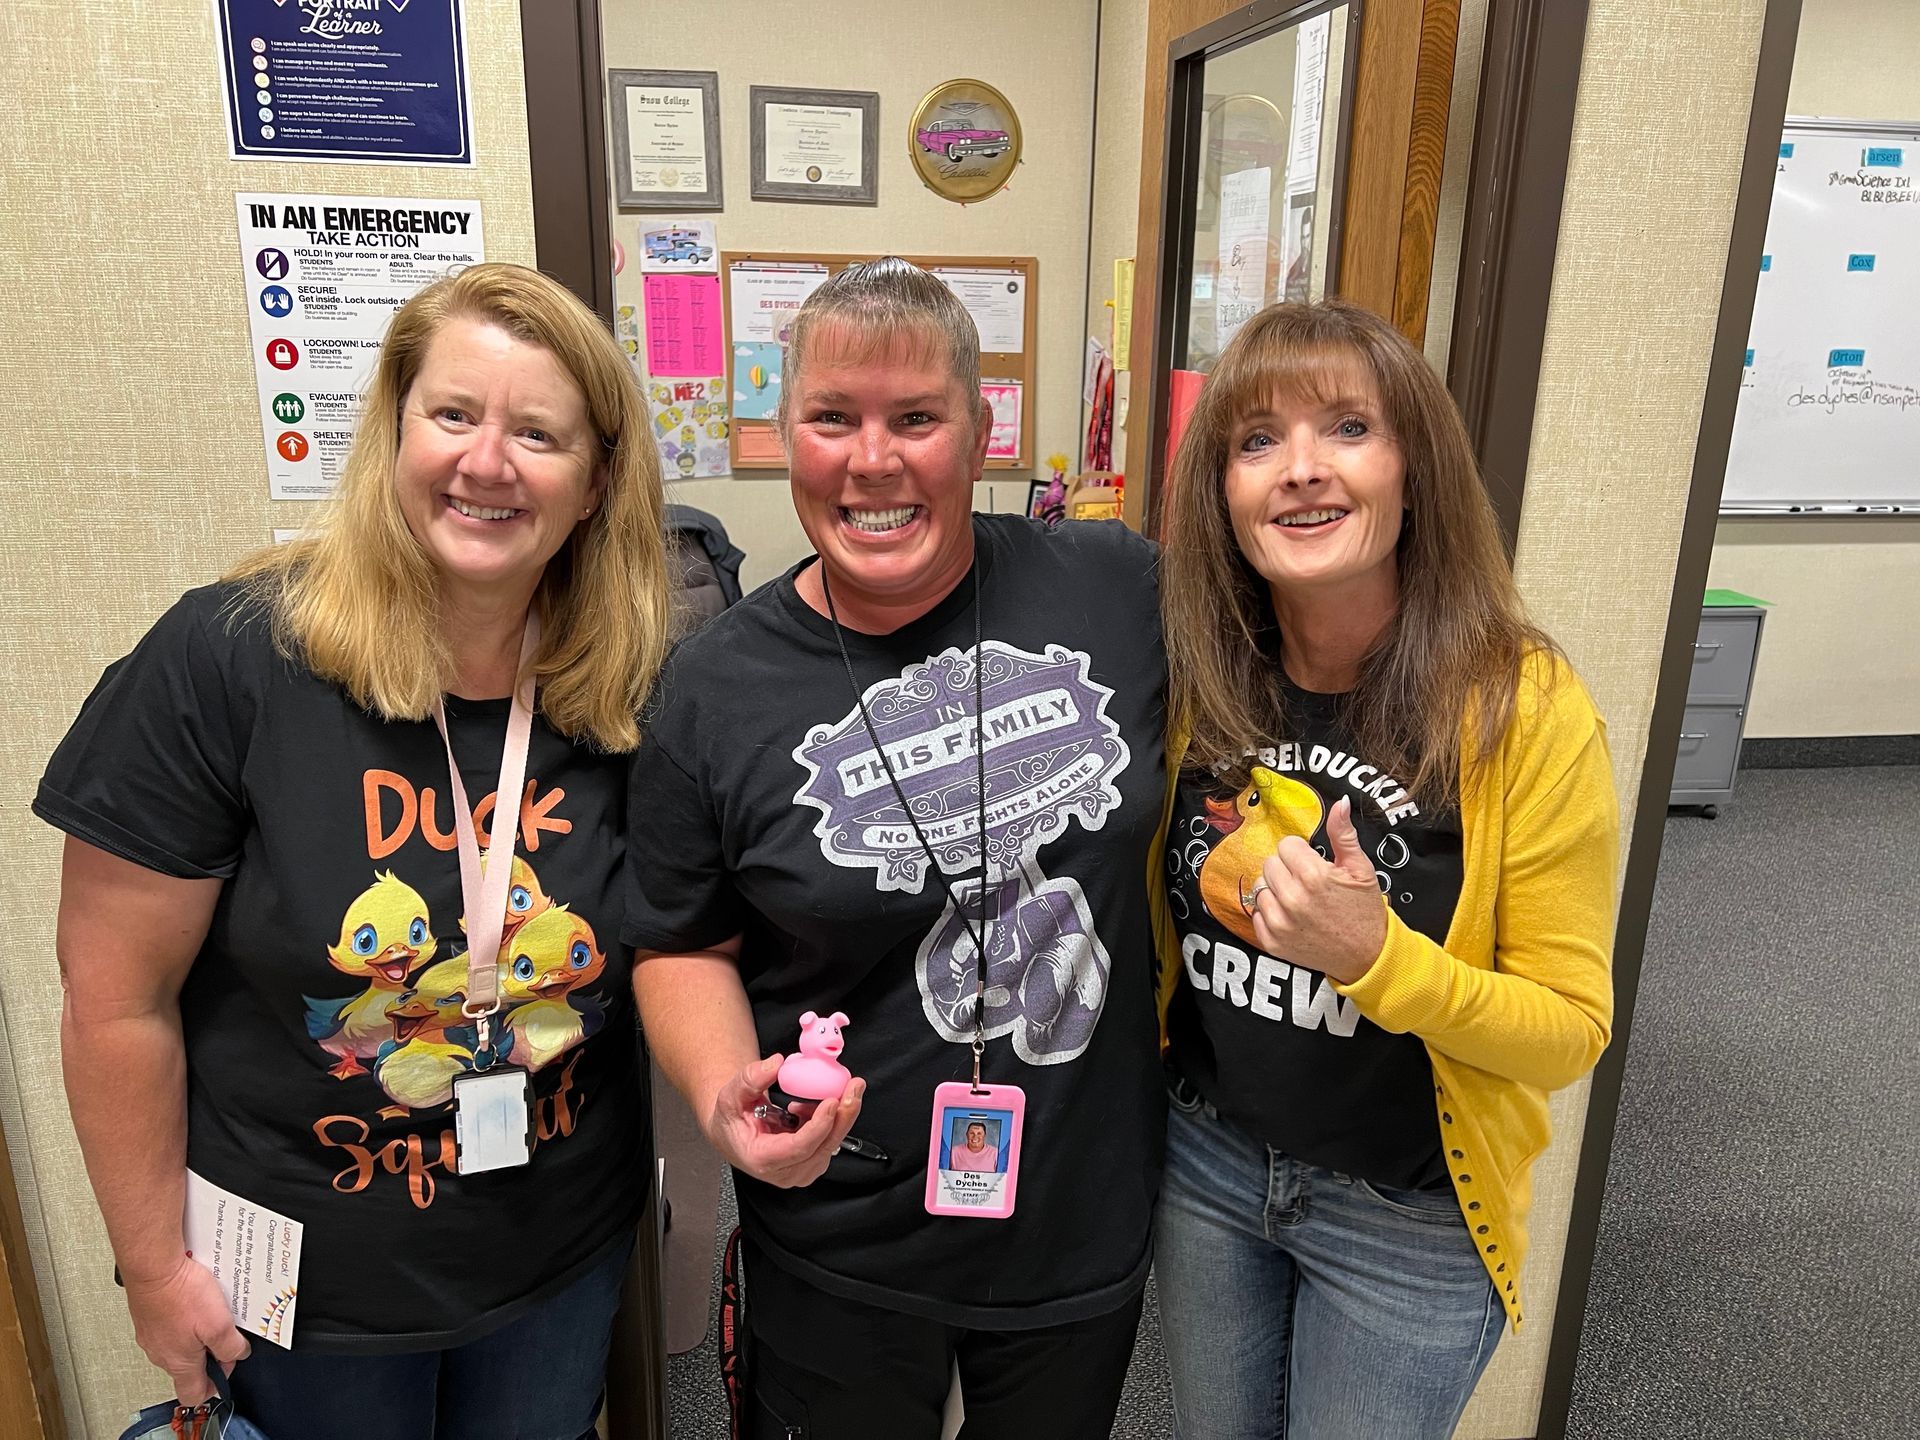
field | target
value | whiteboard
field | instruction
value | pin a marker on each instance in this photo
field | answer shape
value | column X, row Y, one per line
column 1828, row 418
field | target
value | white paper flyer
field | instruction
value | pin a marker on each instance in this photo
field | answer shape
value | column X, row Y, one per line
column 253, row 1252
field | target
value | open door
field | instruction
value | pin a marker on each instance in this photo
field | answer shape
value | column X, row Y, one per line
column 1291, row 150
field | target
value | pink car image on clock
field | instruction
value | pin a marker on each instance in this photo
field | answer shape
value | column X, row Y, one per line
column 957, row 139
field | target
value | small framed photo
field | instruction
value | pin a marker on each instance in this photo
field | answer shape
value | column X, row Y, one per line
column 818, row 146
column 666, row 138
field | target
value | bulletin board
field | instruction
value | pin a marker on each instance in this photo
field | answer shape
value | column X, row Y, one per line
column 1828, row 417
column 1005, row 289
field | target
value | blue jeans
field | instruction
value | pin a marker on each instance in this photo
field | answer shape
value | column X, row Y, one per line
column 538, row 1377
column 1301, row 1304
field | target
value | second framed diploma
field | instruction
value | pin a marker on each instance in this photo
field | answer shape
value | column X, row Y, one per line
column 815, row 145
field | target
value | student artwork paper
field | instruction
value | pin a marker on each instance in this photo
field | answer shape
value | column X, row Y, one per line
column 679, row 247
column 691, row 422
column 756, row 379
column 252, row 1251
column 1004, row 397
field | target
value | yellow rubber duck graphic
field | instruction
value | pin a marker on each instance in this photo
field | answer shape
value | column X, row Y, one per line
column 553, row 955
column 384, row 938
column 430, row 1046
column 1252, row 825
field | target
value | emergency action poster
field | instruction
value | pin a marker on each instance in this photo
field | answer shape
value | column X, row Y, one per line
column 323, row 276
column 365, row 81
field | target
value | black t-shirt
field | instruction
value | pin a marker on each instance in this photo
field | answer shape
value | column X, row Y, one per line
column 322, row 1015
column 760, row 810
column 1275, row 1047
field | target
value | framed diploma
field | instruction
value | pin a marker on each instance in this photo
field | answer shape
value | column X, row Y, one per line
column 666, row 138
column 815, row 145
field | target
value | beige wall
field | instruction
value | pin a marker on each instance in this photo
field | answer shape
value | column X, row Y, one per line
column 1601, row 585
column 1838, row 657
column 1040, row 56
column 135, row 470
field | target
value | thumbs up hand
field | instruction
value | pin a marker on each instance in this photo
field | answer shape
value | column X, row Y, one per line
column 1325, row 915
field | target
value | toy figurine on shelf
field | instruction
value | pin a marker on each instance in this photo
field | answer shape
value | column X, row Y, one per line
column 1052, row 504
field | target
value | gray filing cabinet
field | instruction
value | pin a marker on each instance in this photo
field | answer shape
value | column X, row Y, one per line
column 1716, row 715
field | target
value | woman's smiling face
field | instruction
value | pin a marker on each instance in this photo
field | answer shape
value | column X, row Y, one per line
column 1316, row 490
column 883, row 452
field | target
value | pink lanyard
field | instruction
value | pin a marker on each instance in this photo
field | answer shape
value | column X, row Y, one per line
column 483, row 888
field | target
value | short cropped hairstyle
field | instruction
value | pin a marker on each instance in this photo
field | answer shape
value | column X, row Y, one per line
column 1454, row 648
column 358, row 599
column 874, row 308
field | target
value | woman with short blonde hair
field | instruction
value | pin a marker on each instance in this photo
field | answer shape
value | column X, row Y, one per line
column 291, row 973
column 1390, row 871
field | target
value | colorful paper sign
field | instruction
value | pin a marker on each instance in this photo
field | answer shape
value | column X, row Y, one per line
column 683, row 325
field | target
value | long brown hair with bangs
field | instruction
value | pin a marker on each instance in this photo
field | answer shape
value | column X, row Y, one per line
column 357, row 598
column 1456, row 643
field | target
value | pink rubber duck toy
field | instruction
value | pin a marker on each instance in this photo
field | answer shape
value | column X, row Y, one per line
column 815, row 1073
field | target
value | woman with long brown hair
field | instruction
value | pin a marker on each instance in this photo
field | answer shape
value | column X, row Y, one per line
column 289, row 972
column 1391, row 879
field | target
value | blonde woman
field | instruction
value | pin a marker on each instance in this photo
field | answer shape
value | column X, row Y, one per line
column 1391, row 875
column 274, row 917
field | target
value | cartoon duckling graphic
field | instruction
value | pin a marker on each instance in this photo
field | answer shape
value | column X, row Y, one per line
column 1252, row 825
column 384, row 938
column 525, row 899
column 432, row 1041
column 552, row 956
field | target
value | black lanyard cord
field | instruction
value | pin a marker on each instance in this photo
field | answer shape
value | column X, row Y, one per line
column 983, row 932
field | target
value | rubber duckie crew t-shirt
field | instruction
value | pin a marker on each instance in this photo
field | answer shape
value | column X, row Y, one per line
column 1273, row 1046
column 760, row 809
column 322, row 1016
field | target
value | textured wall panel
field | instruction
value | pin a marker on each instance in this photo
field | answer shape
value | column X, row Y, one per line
column 1659, row 137
column 132, row 453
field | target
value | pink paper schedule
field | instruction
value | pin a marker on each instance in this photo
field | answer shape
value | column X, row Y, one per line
column 685, row 330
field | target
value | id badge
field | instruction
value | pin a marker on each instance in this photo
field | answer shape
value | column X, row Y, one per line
column 973, row 1151
column 492, row 1119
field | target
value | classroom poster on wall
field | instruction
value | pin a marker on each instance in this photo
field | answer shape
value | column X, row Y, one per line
column 355, row 81
column 322, row 276
column 690, row 426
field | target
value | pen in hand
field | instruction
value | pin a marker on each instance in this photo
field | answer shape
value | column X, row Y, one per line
column 787, row 1120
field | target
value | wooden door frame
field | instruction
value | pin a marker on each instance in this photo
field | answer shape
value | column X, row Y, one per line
column 1402, row 84
column 29, row 1392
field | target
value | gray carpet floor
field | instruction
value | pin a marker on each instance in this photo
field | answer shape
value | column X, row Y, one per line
column 1758, row 1272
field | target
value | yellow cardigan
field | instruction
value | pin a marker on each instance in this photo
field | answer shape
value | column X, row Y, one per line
column 1519, row 1001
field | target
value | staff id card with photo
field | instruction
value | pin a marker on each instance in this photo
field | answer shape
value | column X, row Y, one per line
column 973, row 1153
